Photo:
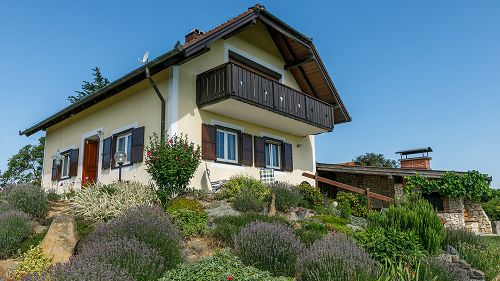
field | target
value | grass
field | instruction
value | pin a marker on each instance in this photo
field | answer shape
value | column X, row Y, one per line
column 492, row 242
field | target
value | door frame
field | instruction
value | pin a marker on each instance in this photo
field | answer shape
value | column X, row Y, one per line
column 97, row 140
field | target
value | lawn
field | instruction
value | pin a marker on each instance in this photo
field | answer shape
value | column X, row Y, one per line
column 492, row 241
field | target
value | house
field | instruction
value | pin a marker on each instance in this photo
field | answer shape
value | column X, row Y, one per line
column 252, row 92
column 455, row 212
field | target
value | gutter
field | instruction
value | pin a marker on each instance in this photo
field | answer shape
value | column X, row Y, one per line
column 162, row 101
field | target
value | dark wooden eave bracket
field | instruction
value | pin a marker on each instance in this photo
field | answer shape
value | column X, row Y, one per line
column 299, row 62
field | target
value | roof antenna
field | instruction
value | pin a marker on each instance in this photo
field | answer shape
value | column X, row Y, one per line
column 145, row 61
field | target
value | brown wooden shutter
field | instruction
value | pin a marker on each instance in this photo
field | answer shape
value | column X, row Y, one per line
column 287, row 157
column 208, row 142
column 106, row 153
column 73, row 162
column 54, row 170
column 246, row 149
column 137, row 147
column 260, row 152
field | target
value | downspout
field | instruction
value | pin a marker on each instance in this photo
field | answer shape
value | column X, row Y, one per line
column 162, row 101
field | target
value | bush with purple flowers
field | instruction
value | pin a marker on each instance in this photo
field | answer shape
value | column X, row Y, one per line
column 82, row 270
column 287, row 195
column 336, row 257
column 269, row 246
column 150, row 225
column 29, row 199
column 15, row 226
column 137, row 258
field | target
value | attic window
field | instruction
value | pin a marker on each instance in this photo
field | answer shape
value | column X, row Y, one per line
column 253, row 66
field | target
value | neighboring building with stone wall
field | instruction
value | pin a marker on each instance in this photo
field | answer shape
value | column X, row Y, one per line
column 455, row 212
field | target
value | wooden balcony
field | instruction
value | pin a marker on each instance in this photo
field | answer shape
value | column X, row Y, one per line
column 240, row 93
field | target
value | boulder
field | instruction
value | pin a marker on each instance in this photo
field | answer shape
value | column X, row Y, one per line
column 451, row 250
column 495, row 225
column 7, row 266
column 60, row 241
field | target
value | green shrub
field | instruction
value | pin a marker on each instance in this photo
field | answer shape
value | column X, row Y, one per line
column 414, row 214
column 244, row 182
column 32, row 241
column 391, row 244
column 29, row 199
column 310, row 231
column 150, row 225
column 269, row 246
column 311, row 195
column 492, row 209
column 356, row 202
column 481, row 257
column 182, row 202
column 32, row 262
column 228, row 226
column 14, row 228
column 191, row 223
column 345, row 211
column 107, row 201
column 53, row 196
column 83, row 228
column 248, row 201
column 171, row 163
column 218, row 268
column 334, row 223
column 287, row 196
column 327, row 208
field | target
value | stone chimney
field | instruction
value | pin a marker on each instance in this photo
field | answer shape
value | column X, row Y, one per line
column 195, row 33
column 410, row 160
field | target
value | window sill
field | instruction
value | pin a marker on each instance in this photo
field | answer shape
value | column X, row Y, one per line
column 223, row 165
column 227, row 162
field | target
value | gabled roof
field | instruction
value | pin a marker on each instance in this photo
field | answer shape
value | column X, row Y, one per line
column 298, row 51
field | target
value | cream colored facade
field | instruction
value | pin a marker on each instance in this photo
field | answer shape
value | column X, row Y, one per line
column 139, row 106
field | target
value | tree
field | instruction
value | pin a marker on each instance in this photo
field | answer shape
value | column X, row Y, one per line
column 375, row 160
column 25, row 166
column 89, row 88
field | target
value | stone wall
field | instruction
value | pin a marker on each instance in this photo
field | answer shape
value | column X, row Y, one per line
column 475, row 218
column 454, row 217
column 383, row 185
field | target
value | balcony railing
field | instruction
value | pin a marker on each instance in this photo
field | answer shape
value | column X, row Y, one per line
column 233, row 81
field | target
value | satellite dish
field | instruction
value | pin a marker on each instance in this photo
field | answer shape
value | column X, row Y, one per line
column 144, row 58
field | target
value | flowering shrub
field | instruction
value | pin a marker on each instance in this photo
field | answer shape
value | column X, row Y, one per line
column 137, row 258
column 311, row 195
column 336, row 257
column 106, row 201
column 269, row 246
column 228, row 226
column 29, row 199
column 287, row 195
column 172, row 163
column 244, row 182
column 82, row 270
column 413, row 214
column 149, row 225
column 15, row 226
column 32, row 262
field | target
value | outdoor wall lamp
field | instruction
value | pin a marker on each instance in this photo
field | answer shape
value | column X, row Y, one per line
column 58, row 158
column 120, row 158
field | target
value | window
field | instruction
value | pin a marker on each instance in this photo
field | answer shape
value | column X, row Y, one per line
column 124, row 143
column 227, row 146
column 65, row 165
column 273, row 154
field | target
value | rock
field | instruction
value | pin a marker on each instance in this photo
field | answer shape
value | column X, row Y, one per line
column 291, row 216
column 464, row 264
column 353, row 227
column 455, row 258
column 476, row 274
column 495, row 225
column 303, row 213
column 39, row 228
column 7, row 266
column 451, row 250
column 61, row 239
column 220, row 209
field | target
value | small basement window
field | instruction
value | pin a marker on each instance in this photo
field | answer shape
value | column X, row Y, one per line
column 227, row 146
column 273, row 154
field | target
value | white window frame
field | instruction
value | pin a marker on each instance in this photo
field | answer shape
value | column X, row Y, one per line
column 226, row 147
column 272, row 165
column 66, row 159
column 126, row 137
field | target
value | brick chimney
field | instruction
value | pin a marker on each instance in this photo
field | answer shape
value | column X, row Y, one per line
column 195, row 33
column 409, row 159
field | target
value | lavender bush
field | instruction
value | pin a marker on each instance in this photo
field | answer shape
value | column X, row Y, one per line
column 150, row 225
column 15, row 226
column 29, row 199
column 137, row 258
column 287, row 195
column 336, row 257
column 269, row 246
column 82, row 270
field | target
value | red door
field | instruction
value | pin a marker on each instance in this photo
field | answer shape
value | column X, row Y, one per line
column 89, row 174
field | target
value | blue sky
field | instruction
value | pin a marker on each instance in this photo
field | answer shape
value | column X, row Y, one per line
column 411, row 73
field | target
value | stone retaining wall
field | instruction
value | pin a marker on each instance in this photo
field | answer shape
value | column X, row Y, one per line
column 476, row 219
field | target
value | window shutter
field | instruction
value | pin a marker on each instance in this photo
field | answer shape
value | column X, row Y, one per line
column 287, row 157
column 73, row 163
column 246, row 151
column 260, row 151
column 106, row 153
column 137, row 147
column 54, row 170
column 208, row 142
